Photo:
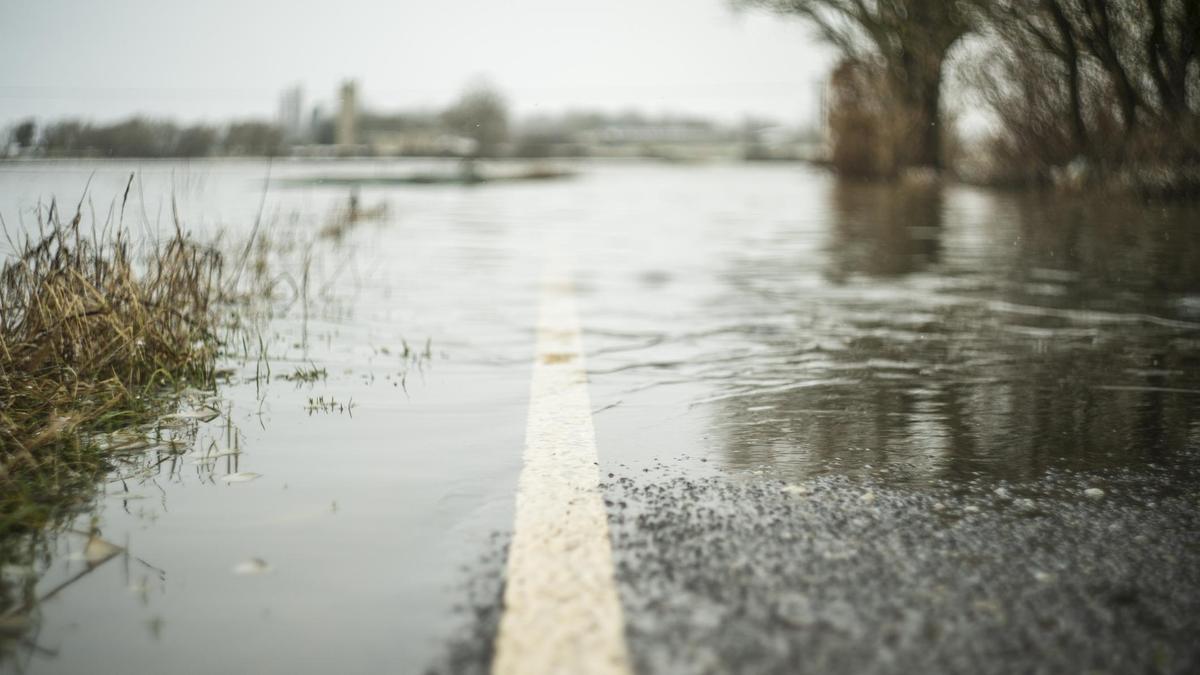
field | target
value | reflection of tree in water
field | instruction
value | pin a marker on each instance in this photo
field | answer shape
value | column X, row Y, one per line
column 1118, row 256
column 882, row 229
column 1026, row 347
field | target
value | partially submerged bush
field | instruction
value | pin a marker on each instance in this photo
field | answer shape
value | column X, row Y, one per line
column 873, row 133
column 90, row 331
column 1091, row 94
column 862, row 136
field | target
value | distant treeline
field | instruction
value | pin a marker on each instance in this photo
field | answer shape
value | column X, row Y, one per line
column 477, row 125
column 141, row 137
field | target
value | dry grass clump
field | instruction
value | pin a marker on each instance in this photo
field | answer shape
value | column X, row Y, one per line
column 91, row 330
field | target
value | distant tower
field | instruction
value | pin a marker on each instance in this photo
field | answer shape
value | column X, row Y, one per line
column 347, row 114
column 315, row 126
column 291, row 102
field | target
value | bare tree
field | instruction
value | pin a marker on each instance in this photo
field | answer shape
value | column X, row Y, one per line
column 1172, row 50
column 24, row 133
column 1122, row 74
column 909, row 39
column 481, row 115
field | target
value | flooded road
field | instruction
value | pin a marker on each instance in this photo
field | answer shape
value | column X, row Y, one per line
column 931, row 334
column 753, row 333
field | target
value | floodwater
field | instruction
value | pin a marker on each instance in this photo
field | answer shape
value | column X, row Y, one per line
column 760, row 320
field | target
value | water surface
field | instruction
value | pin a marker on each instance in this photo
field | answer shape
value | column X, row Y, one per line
column 737, row 317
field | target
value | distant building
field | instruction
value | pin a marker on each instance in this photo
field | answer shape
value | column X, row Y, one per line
column 317, row 126
column 290, row 119
column 346, row 133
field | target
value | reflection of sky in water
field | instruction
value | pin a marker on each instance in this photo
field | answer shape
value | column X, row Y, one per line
column 735, row 316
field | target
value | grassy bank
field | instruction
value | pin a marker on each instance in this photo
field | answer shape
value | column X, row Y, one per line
column 93, row 331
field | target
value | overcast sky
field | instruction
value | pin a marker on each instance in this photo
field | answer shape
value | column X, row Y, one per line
column 217, row 59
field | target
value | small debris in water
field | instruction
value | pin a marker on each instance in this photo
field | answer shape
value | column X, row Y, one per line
column 215, row 453
column 797, row 490
column 1002, row 493
column 1093, row 493
column 98, row 550
column 868, row 497
column 201, row 414
column 251, row 567
column 128, row 496
column 241, row 477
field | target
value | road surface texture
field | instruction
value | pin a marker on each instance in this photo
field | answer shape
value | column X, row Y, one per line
column 747, row 574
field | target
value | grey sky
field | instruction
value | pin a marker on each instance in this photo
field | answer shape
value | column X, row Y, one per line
column 217, row 59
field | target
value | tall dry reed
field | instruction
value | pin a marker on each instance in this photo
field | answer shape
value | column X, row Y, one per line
column 92, row 329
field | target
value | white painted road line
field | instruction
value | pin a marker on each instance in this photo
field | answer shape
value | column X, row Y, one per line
column 562, row 614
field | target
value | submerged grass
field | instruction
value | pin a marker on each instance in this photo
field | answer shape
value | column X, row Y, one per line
column 92, row 332
column 306, row 375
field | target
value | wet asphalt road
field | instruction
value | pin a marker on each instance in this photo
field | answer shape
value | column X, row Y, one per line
column 834, row 576
column 743, row 573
